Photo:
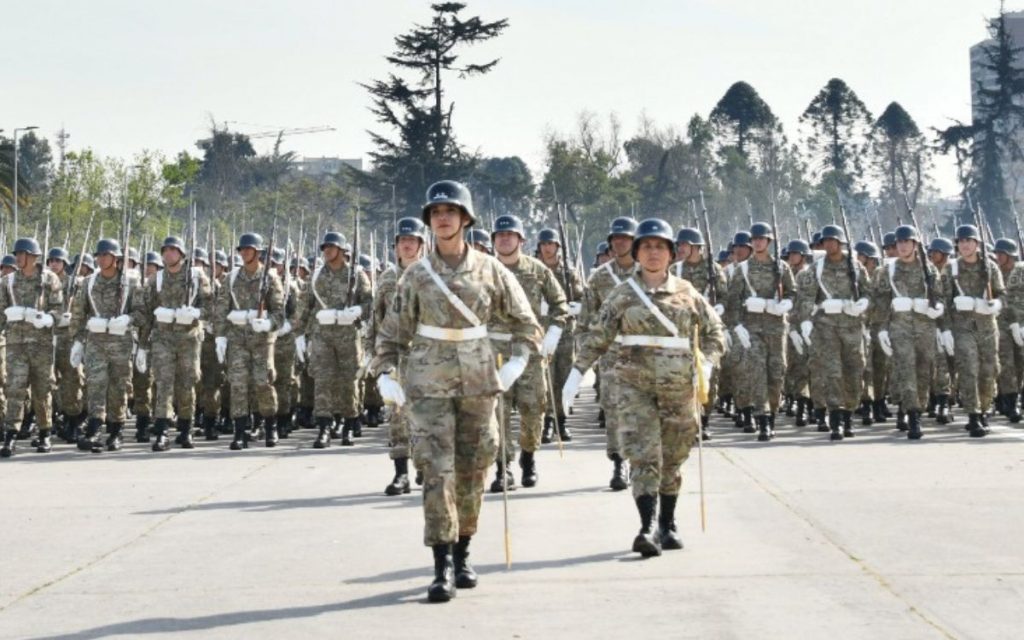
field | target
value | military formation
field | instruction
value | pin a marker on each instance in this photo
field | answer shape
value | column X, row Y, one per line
column 469, row 327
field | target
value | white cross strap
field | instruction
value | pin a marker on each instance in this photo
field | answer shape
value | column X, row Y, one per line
column 665, row 322
column 466, row 312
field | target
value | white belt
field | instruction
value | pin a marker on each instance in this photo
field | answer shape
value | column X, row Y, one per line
column 832, row 306
column 500, row 337
column 451, row 335
column 664, row 342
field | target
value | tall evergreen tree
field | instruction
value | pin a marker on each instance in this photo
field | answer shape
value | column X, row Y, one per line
column 838, row 128
column 901, row 157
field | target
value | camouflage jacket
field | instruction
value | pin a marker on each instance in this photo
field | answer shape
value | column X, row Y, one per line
column 241, row 291
column 41, row 291
column 756, row 279
column 831, row 279
column 328, row 289
column 599, row 287
column 547, row 299
column 387, row 289
column 896, row 278
column 576, row 293
column 171, row 290
column 625, row 314
column 697, row 275
column 977, row 280
column 1013, row 311
column 445, row 369
column 100, row 297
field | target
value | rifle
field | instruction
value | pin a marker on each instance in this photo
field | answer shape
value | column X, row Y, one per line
column 265, row 279
column 73, row 280
column 46, row 253
column 976, row 214
column 850, row 269
column 750, row 211
column 929, row 277
column 1016, row 223
column 776, row 261
column 190, row 286
column 566, row 280
column 124, row 259
column 353, row 262
column 712, row 281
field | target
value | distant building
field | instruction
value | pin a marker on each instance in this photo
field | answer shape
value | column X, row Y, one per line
column 981, row 74
column 325, row 166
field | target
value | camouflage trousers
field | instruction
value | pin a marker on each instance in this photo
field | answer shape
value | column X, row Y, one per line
column 29, row 369
column 913, row 359
column 528, row 394
column 763, row 367
column 840, row 345
column 3, row 377
column 174, row 365
column 108, row 374
column 333, row 365
column 250, row 372
column 211, row 378
column 659, row 425
column 454, row 442
column 1011, row 362
column 876, row 368
column 141, row 391
column 561, row 366
column 942, row 382
column 70, row 383
column 284, row 366
column 797, row 372
column 610, row 403
column 306, row 391
column 976, row 366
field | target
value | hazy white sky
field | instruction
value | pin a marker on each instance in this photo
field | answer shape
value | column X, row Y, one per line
column 122, row 75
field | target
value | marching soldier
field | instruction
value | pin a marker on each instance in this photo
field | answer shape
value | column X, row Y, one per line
column 450, row 374
column 102, row 321
column 975, row 298
column 530, row 391
column 868, row 257
column 940, row 252
column 1011, row 338
column 70, row 383
column 481, row 241
column 304, row 413
column 31, row 298
column 285, row 351
column 249, row 312
column 655, row 316
column 797, row 363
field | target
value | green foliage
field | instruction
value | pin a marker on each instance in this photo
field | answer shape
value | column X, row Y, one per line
column 838, row 130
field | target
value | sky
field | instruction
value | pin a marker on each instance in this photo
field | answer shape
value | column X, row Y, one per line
column 124, row 75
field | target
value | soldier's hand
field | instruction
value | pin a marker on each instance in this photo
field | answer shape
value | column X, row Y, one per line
column 261, row 325
column 742, row 335
column 570, row 388
column 806, row 328
column 220, row 345
column 1017, row 334
column 77, row 351
column 42, row 320
column 575, row 308
column 936, row 312
column 798, row 343
column 186, row 315
column 65, row 320
column 551, row 338
column 885, row 342
column 946, row 340
column 390, row 389
column 141, row 361
column 511, row 370
column 300, row 348
column 720, row 310
column 349, row 315
column 285, row 329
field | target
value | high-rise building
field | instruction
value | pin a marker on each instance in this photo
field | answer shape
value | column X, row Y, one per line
column 981, row 74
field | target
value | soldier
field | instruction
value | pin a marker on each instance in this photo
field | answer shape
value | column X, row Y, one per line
column 31, row 299
column 874, row 358
column 338, row 301
column 69, row 379
column 733, row 392
column 940, row 252
column 974, row 299
column 797, row 370
column 552, row 254
column 909, row 320
column 530, row 392
column 693, row 267
column 602, row 254
column 481, row 241
column 285, row 352
column 831, row 306
column 1011, row 339
column 410, row 239
column 371, row 404
column 760, row 297
column 602, row 281
column 249, row 312
column 102, row 321
column 889, row 245
column 656, row 316
column 450, row 374
column 304, row 413
column 174, row 302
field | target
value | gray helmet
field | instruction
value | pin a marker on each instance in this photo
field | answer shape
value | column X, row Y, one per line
column 968, row 232
column 906, row 232
column 622, row 226
column 741, row 239
column 152, row 257
column 941, row 245
column 108, row 245
column 548, row 235
column 833, row 232
column 411, row 228
column 199, row 255
column 87, row 262
column 761, row 230
column 236, row 260
column 602, row 248
column 815, row 238
column 250, row 241
column 1007, row 246
column 482, row 238
column 133, row 254
column 59, row 253
column 723, row 256
column 654, row 228
column 277, row 255
column 690, row 235
column 365, row 262
column 866, row 249
column 889, row 240
column 221, row 258
column 27, row 245
column 176, row 243
column 449, row 192
column 799, row 246
column 508, row 223
column 333, row 239
column 9, row 261
column 784, row 254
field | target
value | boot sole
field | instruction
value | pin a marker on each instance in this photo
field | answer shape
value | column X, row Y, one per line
column 438, row 595
column 645, row 547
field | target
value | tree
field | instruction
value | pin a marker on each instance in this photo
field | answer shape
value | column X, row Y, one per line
column 226, row 172
column 422, row 147
column 838, row 128
column 740, row 114
column 504, row 184
column 901, row 158
column 35, row 166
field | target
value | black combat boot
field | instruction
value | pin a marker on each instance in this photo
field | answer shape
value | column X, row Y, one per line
column 619, row 479
column 114, row 440
column 184, row 439
column 914, row 425
column 356, row 427
column 819, row 419
column 847, row 416
column 89, row 441
column 835, row 420
column 705, row 430
column 142, row 428
column 304, row 419
column 44, row 445
column 1012, row 410
column 548, row 432
column 563, row 431
column 270, row 431
column 419, row 478
column 210, row 428
column 647, row 542
column 600, row 419
column 943, row 414
column 529, row 468
column 500, row 472
column 879, row 411
column 323, row 437
column 670, row 539
column 788, row 405
column 227, row 424
column 933, row 402
column 727, row 406
column 348, row 430
column 975, row 426
column 901, row 420
column 10, row 443
column 284, row 425
column 465, row 576
column 442, row 589
column 400, row 484
column 802, row 409
column 748, row 420
column 865, row 413
column 27, row 423
column 373, row 417
column 160, row 428
column 241, row 440
column 763, row 435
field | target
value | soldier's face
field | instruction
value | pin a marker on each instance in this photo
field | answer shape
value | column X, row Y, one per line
column 408, row 248
column 937, row 257
column 967, row 247
column 151, row 269
column 218, row 270
column 622, row 246
column 739, row 254
column 549, row 251
column 447, row 220
column 248, row 254
column 684, row 250
column 171, row 256
column 654, row 255
column 603, row 258
column 905, row 249
column 56, row 266
column 832, row 247
column 795, row 260
column 760, row 244
column 507, row 243
column 106, row 261
column 24, row 259
column 1004, row 260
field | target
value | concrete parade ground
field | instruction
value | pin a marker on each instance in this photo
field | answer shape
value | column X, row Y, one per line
column 873, row 537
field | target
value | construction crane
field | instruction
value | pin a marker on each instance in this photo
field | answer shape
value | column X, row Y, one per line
column 280, row 131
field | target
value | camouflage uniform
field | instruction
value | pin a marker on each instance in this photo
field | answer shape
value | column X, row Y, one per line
column 211, row 378
column 398, row 427
column 451, row 384
column 797, row 361
column 286, row 383
column 697, row 275
column 561, row 361
column 1011, row 355
column 70, row 383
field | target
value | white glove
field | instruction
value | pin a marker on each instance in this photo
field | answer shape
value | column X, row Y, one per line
column 946, row 339
column 1018, row 335
column 570, row 388
column 390, row 390
column 42, row 321
column 511, row 370
column 77, row 351
column 867, row 336
column 65, row 320
column 220, row 345
column 994, row 307
column 743, row 335
column 119, row 326
column 857, row 308
column 327, row 316
column 238, row 317
column 806, row 328
column 551, row 339
column 728, row 338
column 141, row 362
column 885, row 342
column 261, row 325
column 720, row 310
column 285, row 329
column 15, row 314
column 96, row 325
column 348, row 315
column 708, row 369
column 575, row 308
column 186, row 315
column 300, row 348
column 164, row 315
column 936, row 312
column 798, row 343
column 780, row 307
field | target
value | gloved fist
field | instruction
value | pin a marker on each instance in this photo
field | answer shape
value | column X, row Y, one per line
column 570, row 389
column 1017, row 334
column 164, row 315
column 186, row 315
column 119, row 326
column 285, row 329
column 575, row 309
column 806, row 328
column 390, row 389
column 220, row 345
column 946, row 340
column 141, row 361
column 798, row 343
column 65, row 320
column 300, row 348
column 42, row 320
column 511, row 370
column 551, row 339
column 238, row 317
column 261, row 325
column 857, row 308
column 742, row 335
column 885, row 342
column 77, row 351
column 349, row 315
column 719, row 310
column 936, row 312
column 779, row 307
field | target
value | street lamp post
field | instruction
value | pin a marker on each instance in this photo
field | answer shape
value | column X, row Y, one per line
column 16, row 130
